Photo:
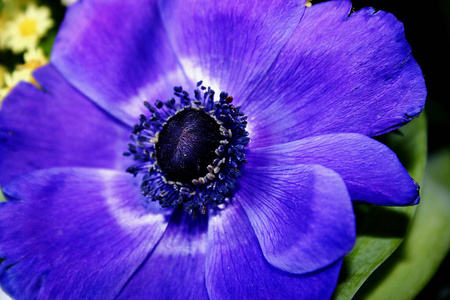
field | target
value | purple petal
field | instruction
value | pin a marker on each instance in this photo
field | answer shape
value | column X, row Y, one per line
column 117, row 53
column 176, row 268
column 236, row 268
column 229, row 44
column 371, row 171
column 338, row 73
column 76, row 233
column 302, row 215
column 57, row 126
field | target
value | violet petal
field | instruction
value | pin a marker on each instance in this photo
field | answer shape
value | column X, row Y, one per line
column 57, row 126
column 371, row 171
column 117, row 54
column 229, row 44
column 79, row 233
column 237, row 269
column 338, row 73
column 302, row 215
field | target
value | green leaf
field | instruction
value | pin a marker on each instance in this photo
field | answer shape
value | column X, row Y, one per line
column 47, row 42
column 409, row 269
column 382, row 229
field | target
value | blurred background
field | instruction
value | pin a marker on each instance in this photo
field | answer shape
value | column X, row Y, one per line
column 28, row 28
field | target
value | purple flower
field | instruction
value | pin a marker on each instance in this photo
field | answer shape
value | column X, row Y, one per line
column 273, row 216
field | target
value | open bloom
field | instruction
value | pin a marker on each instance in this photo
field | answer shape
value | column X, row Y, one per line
column 273, row 214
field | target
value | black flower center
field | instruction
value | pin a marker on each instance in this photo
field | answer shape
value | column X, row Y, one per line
column 190, row 151
column 186, row 145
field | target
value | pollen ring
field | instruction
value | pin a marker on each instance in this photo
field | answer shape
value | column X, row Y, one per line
column 190, row 151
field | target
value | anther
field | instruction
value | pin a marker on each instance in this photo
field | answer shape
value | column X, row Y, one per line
column 187, row 152
column 184, row 190
column 158, row 104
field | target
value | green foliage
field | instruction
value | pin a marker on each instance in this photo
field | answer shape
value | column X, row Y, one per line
column 409, row 269
column 381, row 230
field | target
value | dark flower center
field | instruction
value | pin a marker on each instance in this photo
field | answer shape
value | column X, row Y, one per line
column 186, row 145
column 190, row 151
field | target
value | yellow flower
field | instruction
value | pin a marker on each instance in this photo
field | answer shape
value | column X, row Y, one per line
column 34, row 59
column 14, row 78
column 24, row 31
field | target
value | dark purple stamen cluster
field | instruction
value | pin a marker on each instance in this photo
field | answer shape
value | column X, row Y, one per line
column 190, row 151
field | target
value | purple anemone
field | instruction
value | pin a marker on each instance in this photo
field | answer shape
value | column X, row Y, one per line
column 245, row 192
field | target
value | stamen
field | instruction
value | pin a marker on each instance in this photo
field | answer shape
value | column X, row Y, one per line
column 192, row 158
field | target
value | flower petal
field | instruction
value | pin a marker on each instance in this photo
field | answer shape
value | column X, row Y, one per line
column 302, row 215
column 76, row 233
column 338, row 73
column 229, row 44
column 117, row 54
column 236, row 268
column 176, row 268
column 371, row 171
column 57, row 126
